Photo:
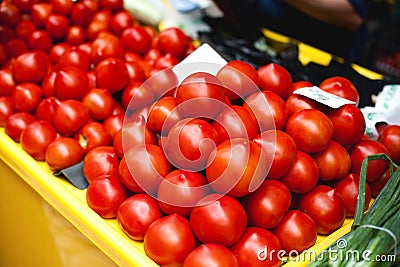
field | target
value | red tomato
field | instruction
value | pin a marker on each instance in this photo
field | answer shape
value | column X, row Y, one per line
column 10, row 15
column 274, row 77
column 136, row 39
column 40, row 40
column 7, row 82
column 237, row 167
column 163, row 115
column 296, row 102
column 57, row 50
column 282, row 148
column 239, row 78
column 100, row 103
column 145, row 167
column 113, row 124
column 163, row 83
column 76, row 35
column 113, row 5
column 105, row 194
column 136, row 71
column 120, row 21
column 235, row 121
column 24, row 28
column 62, row 153
column 136, row 132
column 165, row 61
column 348, row 123
column 169, row 249
column 258, row 247
column 190, row 142
column 136, row 214
column 81, row 14
column 26, row 96
column 136, row 95
column 268, row 204
column 63, row 7
column 71, row 83
column 6, row 109
column 75, row 57
column 268, row 108
column 300, row 84
column 348, row 189
column 104, row 46
column 311, row 129
column 93, row 134
column 377, row 185
column 46, row 108
column 296, row 232
column 29, row 67
column 333, row 162
column 340, row 86
column 112, row 74
column 211, row 254
column 390, row 138
column 40, row 12
column 200, row 95
column 303, row 175
column 180, row 191
column 376, row 168
column 69, row 116
column 100, row 161
column 36, row 137
column 48, row 83
column 325, row 206
column 173, row 40
column 16, row 47
column 17, row 122
column 218, row 219
column 57, row 26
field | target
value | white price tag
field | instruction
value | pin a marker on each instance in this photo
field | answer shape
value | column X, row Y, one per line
column 323, row 97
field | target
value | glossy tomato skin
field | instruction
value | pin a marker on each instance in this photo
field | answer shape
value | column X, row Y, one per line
column 171, row 249
column 304, row 174
column 26, row 96
column 69, row 116
column 29, row 67
column 17, row 122
column 100, row 103
column 75, row 57
column 163, row 114
column 93, row 134
column 390, row 138
column 120, row 21
column 237, row 167
column 136, row 95
column 136, row 39
column 46, row 108
column 274, row 77
column 113, row 124
column 63, row 152
column 36, row 137
column 173, row 40
column 348, row 189
column 218, row 219
column 7, row 82
column 6, row 109
column 71, row 83
column 342, row 87
column 105, row 195
column 296, row 232
column 100, row 161
column 112, row 74
column 296, row 102
column 136, row 214
column 376, row 168
column 211, row 254
column 258, row 247
column 348, row 123
column 311, row 130
column 325, row 206
column 376, row 186
column 268, row 204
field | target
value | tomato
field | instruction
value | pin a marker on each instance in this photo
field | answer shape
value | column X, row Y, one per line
column 269, row 109
column 311, row 130
column 6, row 34
column 105, row 194
column 81, row 14
column 376, row 168
column 180, row 191
column 46, row 108
column 173, row 40
column 40, row 40
column 111, row 4
column 136, row 214
column 274, row 77
column 136, row 39
column 48, row 84
column 342, row 87
column 190, row 142
column 63, row 7
column 93, row 134
column 57, row 50
column 113, row 124
column 76, row 57
column 237, row 167
column 100, row 103
column 218, row 219
column 136, row 71
column 282, row 148
column 165, row 61
column 10, row 15
column 136, row 132
column 333, row 162
column 200, row 95
column 348, row 123
column 348, row 189
column 112, row 74
column 121, row 20
column 6, row 109
column 303, row 175
column 136, row 95
column 23, row 28
column 258, row 247
column 7, row 82
column 211, row 254
column 164, row 83
column 376, row 186
column 169, row 249
column 16, row 47
column 76, row 35
column 163, row 114
column 300, row 84
column 69, row 116
column 390, row 138
column 62, row 153
column 26, row 96
column 235, row 121
column 325, row 206
column 296, row 232
column 17, row 122
column 268, row 204
column 145, row 167
column 296, row 102
column 71, row 83
column 36, row 137
column 40, row 13
column 57, row 26
column 104, row 46
column 29, row 67
column 100, row 161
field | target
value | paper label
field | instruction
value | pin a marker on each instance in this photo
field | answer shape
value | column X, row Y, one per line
column 323, row 97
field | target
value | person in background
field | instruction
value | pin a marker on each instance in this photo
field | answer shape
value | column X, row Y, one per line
column 335, row 26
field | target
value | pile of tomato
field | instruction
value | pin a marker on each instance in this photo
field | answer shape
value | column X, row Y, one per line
column 224, row 169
